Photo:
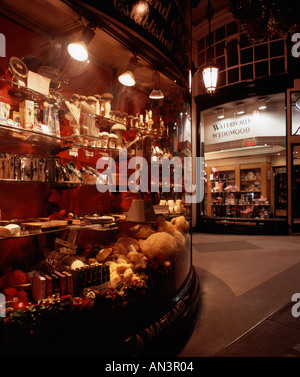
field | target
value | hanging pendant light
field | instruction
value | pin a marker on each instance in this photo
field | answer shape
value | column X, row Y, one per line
column 156, row 92
column 210, row 78
column 210, row 71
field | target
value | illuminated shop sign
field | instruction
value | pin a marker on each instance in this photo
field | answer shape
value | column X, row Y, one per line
column 247, row 126
column 231, row 128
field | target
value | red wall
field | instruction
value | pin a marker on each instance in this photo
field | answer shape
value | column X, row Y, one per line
column 84, row 78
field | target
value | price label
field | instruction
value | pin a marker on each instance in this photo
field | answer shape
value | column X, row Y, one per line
column 73, row 152
column 45, row 128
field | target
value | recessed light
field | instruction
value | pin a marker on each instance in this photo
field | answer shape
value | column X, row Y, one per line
column 261, row 104
column 240, row 108
column 220, row 113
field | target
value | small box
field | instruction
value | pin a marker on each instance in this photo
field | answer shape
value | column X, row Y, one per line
column 4, row 110
column 16, row 116
column 26, row 114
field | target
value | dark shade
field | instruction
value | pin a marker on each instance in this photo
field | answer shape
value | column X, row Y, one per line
column 261, row 52
column 232, row 53
column 232, row 28
column 221, row 63
column 220, row 48
column 221, row 79
column 220, row 33
column 201, row 44
column 247, row 55
column 247, row 72
column 277, row 66
column 261, row 69
column 233, row 75
column 276, row 48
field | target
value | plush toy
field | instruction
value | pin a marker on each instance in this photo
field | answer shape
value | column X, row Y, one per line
column 168, row 227
column 181, row 224
column 159, row 244
column 127, row 243
column 141, row 231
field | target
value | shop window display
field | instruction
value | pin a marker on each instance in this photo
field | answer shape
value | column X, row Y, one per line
column 245, row 152
column 71, row 246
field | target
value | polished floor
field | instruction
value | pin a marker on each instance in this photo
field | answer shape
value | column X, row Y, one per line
column 247, row 283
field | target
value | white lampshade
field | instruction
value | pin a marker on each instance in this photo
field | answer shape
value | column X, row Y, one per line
column 210, row 78
column 127, row 78
column 156, row 94
column 78, row 51
column 141, row 211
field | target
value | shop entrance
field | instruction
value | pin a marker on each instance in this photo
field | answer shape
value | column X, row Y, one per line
column 296, row 188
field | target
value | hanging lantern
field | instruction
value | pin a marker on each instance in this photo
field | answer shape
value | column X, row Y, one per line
column 210, row 78
column 210, row 72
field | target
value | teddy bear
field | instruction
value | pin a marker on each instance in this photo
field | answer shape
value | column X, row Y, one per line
column 168, row 227
column 159, row 244
column 181, row 224
column 141, row 231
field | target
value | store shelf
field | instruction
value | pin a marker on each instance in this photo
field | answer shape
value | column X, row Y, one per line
column 12, row 136
column 94, row 227
column 20, row 91
column 34, row 234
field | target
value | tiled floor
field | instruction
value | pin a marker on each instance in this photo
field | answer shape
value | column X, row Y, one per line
column 244, row 281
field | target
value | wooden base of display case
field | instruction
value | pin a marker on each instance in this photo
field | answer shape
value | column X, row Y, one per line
column 242, row 226
column 152, row 325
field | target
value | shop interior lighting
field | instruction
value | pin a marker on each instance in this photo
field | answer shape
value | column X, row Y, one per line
column 261, row 104
column 156, row 92
column 220, row 113
column 210, row 72
column 297, row 104
column 127, row 77
column 240, row 108
column 78, row 49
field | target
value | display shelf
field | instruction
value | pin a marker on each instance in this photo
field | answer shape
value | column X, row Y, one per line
column 88, row 142
column 22, row 91
column 12, row 136
column 34, row 234
column 94, row 227
column 249, row 179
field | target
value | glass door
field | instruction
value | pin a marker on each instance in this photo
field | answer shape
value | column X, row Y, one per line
column 296, row 188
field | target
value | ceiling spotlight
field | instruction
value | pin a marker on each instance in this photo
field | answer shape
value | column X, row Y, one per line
column 78, row 50
column 127, row 77
column 261, row 104
column 240, row 108
column 220, row 113
column 156, row 92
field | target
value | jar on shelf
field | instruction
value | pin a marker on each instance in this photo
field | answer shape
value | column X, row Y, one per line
column 112, row 141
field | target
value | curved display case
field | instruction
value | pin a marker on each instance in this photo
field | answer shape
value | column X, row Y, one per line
column 95, row 226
